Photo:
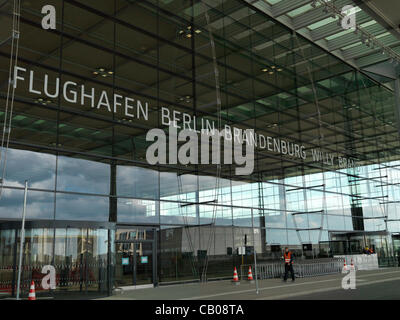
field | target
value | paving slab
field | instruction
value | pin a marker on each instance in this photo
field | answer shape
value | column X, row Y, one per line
column 268, row 289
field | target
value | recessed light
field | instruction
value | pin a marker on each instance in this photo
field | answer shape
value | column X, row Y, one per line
column 103, row 72
column 43, row 101
column 264, row 70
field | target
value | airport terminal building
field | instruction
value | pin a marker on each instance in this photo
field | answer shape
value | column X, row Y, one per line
column 318, row 104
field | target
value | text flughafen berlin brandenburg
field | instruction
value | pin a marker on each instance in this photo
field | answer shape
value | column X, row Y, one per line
column 136, row 109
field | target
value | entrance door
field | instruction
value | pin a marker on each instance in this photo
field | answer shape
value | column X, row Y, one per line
column 144, row 263
column 135, row 262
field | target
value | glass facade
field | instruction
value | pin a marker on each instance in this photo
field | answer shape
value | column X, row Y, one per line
column 91, row 90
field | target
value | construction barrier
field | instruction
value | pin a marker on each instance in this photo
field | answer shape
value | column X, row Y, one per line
column 77, row 276
column 301, row 270
column 362, row 261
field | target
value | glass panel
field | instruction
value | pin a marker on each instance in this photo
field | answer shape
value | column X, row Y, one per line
column 78, row 207
column 137, row 182
column 7, row 260
column 84, row 176
column 136, row 211
column 144, row 263
column 40, row 205
column 124, row 267
column 40, row 173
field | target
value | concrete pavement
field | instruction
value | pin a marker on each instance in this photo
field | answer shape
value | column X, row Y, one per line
column 377, row 284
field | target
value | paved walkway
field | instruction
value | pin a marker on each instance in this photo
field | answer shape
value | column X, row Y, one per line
column 324, row 287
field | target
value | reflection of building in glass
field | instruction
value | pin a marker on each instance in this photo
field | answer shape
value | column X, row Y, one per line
column 105, row 218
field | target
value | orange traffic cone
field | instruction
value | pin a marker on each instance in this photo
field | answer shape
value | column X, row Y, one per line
column 250, row 275
column 32, row 293
column 345, row 266
column 352, row 265
column 235, row 277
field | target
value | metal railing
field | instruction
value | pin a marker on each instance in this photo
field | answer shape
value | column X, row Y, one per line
column 76, row 277
column 301, row 270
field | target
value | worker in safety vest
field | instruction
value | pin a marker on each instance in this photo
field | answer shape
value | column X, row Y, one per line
column 288, row 257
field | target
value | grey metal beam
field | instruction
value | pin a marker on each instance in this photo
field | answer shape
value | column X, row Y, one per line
column 333, row 28
column 315, row 15
column 375, row 58
column 383, row 69
column 351, row 38
column 286, row 6
column 310, row 18
column 373, row 11
column 361, row 50
column 397, row 100
column 285, row 20
column 262, row 5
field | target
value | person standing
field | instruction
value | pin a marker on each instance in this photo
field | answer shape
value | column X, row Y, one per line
column 288, row 257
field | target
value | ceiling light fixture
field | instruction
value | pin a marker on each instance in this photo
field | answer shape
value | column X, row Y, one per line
column 186, row 98
column 187, row 32
column 103, row 72
column 54, row 144
column 43, row 101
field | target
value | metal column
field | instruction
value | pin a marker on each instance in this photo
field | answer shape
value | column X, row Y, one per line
column 397, row 101
column 22, row 241
column 155, row 279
